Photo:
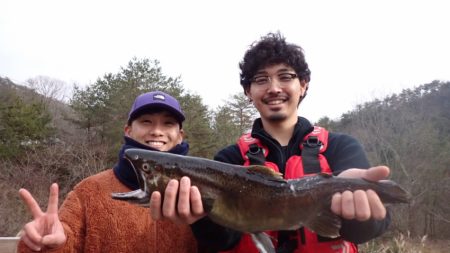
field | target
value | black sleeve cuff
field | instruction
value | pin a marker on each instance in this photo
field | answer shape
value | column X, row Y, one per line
column 213, row 236
column 362, row 231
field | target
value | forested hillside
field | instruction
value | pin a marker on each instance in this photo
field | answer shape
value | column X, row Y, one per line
column 410, row 132
column 45, row 139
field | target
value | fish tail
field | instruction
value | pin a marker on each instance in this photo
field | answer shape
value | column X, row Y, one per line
column 391, row 192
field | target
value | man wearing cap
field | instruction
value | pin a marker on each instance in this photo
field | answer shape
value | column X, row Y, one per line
column 89, row 220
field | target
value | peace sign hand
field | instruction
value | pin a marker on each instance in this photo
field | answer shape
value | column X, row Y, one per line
column 46, row 229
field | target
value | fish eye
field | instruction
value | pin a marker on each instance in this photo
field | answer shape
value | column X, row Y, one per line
column 146, row 167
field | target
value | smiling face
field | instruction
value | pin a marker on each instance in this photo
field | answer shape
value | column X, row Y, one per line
column 158, row 130
column 277, row 98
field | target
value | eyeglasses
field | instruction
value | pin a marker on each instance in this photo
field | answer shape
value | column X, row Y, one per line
column 282, row 78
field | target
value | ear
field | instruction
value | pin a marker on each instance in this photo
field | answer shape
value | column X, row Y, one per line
column 181, row 137
column 127, row 130
column 249, row 95
column 304, row 86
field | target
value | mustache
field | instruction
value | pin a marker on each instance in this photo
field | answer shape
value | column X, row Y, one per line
column 271, row 97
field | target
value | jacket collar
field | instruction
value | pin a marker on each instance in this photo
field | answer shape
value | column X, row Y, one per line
column 278, row 154
column 301, row 128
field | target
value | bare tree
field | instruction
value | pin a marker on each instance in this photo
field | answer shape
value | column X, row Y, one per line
column 52, row 89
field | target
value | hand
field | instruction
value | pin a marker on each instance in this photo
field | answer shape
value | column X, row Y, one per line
column 189, row 208
column 360, row 205
column 45, row 230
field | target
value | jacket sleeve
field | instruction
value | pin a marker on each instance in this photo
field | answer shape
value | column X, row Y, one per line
column 72, row 215
column 214, row 237
column 210, row 235
column 345, row 152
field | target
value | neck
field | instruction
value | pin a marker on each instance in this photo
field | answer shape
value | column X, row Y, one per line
column 281, row 131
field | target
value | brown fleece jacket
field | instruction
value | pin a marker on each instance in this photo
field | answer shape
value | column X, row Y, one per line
column 94, row 222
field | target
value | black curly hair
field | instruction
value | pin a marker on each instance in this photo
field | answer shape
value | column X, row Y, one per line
column 272, row 49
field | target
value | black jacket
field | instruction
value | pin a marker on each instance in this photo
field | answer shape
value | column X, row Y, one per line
column 343, row 152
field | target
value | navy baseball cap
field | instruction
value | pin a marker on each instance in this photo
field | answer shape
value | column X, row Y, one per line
column 155, row 101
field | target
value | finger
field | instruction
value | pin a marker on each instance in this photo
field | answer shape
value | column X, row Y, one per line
column 155, row 206
column 362, row 208
column 54, row 240
column 348, row 205
column 196, row 201
column 376, row 173
column 32, row 233
column 31, row 203
column 183, row 206
column 336, row 204
column 170, row 199
column 29, row 243
column 52, row 207
column 377, row 209
column 352, row 173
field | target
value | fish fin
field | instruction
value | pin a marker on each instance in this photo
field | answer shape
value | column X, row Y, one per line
column 326, row 224
column 262, row 242
column 259, row 169
column 325, row 174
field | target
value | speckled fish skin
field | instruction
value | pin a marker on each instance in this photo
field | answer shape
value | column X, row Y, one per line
column 254, row 198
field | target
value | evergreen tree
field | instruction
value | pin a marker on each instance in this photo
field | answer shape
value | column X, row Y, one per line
column 232, row 120
column 22, row 125
column 103, row 107
column 197, row 127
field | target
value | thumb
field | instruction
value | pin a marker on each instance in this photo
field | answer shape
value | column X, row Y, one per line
column 376, row 173
column 54, row 240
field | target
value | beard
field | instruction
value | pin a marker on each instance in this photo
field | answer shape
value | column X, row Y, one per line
column 277, row 117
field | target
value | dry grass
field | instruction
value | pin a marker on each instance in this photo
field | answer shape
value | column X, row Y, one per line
column 404, row 243
column 36, row 170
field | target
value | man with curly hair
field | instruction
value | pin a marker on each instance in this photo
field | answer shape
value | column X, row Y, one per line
column 275, row 77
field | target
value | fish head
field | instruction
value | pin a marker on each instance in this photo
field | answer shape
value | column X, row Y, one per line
column 145, row 170
column 149, row 174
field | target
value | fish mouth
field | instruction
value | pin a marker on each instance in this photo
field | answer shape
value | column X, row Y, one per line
column 139, row 174
column 140, row 196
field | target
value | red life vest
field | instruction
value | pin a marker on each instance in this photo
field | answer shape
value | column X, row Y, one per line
column 312, row 161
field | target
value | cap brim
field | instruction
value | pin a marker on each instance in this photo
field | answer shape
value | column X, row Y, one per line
column 156, row 107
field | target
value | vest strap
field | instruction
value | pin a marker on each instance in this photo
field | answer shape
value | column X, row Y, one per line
column 310, row 155
column 255, row 154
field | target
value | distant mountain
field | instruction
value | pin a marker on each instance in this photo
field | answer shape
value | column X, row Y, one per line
column 61, row 113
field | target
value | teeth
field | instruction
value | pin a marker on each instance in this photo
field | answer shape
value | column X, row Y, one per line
column 275, row 102
column 155, row 143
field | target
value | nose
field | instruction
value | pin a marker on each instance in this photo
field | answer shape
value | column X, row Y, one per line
column 156, row 131
column 274, row 86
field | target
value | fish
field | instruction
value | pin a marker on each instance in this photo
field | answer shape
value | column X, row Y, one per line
column 252, row 199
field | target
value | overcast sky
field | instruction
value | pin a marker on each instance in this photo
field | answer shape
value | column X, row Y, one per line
column 357, row 50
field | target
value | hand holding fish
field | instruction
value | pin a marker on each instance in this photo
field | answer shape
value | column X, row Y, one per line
column 45, row 230
column 187, row 210
column 237, row 197
column 361, row 205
